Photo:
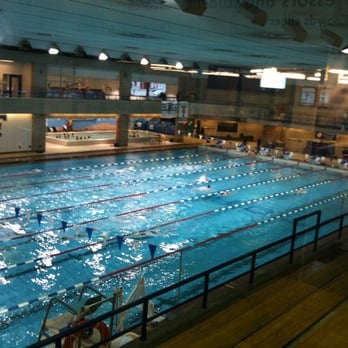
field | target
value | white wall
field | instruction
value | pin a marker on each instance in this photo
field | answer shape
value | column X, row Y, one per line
column 16, row 133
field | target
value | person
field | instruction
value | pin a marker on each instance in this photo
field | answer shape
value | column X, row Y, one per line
column 301, row 191
column 204, row 188
column 258, row 144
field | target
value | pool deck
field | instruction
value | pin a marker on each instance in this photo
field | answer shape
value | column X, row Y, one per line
column 56, row 151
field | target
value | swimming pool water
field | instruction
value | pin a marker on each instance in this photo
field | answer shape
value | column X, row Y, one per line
column 72, row 222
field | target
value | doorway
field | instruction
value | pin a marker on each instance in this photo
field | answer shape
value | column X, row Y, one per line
column 12, row 85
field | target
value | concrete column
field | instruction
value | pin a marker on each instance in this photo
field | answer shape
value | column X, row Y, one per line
column 39, row 80
column 38, row 140
column 125, row 84
column 122, row 129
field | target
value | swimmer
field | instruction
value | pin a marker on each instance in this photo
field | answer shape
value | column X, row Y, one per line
column 204, row 188
column 225, row 193
column 301, row 191
column 203, row 178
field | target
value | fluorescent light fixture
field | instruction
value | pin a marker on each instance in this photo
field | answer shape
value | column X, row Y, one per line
column 294, row 76
column 313, row 78
column 338, row 71
column 172, row 68
column 344, row 50
column 343, row 79
column 144, row 61
column 256, row 71
column 252, row 76
column 54, row 49
column 220, row 73
column 103, row 56
column 179, row 65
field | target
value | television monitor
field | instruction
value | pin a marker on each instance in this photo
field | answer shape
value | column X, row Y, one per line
column 156, row 89
column 139, row 89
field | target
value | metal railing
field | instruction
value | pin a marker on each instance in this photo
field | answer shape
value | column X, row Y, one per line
column 206, row 285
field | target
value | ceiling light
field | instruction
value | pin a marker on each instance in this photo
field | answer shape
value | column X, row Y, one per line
column 179, row 65
column 295, row 30
column 253, row 13
column 344, row 50
column 103, row 56
column 25, row 45
column 144, row 61
column 54, row 49
column 331, row 37
column 313, row 78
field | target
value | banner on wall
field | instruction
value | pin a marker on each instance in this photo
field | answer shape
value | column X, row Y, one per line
column 172, row 109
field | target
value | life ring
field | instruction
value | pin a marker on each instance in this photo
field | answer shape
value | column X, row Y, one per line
column 88, row 336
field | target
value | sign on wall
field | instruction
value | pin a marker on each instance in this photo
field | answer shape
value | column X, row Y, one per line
column 172, row 109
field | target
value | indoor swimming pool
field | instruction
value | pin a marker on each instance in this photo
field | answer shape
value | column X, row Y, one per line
column 108, row 221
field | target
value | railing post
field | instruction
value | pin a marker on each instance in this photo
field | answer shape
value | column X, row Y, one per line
column 252, row 267
column 144, row 321
column 317, row 231
column 341, row 227
column 205, row 291
column 292, row 244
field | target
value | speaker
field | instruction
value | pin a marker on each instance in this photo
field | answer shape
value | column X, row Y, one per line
column 253, row 13
column 295, row 30
column 195, row 7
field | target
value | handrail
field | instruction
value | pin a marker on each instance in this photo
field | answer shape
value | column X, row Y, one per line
column 204, row 275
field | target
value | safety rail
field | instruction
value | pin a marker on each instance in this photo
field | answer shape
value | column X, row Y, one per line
column 143, row 302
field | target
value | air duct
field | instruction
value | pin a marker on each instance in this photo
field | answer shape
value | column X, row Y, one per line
column 253, row 13
column 295, row 30
column 195, row 7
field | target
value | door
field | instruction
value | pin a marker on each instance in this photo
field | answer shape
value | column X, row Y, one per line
column 12, row 85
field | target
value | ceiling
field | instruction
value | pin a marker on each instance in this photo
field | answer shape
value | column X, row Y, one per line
column 222, row 36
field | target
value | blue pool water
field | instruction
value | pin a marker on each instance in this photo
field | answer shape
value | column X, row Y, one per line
column 100, row 221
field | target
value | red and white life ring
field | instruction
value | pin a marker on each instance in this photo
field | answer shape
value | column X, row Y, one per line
column 89, row 336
